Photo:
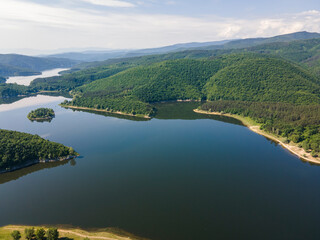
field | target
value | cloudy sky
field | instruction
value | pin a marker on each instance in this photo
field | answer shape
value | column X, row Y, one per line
column 128, row 24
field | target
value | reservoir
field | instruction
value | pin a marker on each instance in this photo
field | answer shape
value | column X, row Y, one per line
column 26, row 80
column 177, row 176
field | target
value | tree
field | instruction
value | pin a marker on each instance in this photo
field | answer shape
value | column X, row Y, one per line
column 29, row 233
column 40, row 234
column 16, row 235
column 52, row 234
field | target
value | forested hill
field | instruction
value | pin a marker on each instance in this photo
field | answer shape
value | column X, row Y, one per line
column 7, row 70
column 21, row 149
column 20, row 65
column 249, row 77
column 250, row 42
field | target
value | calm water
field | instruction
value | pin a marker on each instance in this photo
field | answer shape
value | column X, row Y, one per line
column 26, row 80
column 178, row 176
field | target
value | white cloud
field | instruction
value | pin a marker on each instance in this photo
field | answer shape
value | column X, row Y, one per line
column 31, row 25
column 110, row 3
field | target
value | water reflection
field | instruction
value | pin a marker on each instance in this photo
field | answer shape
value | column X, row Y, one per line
column 29, row 101
column 184, row 111
column 15, row 175
column 106, row 114
column 26, row 80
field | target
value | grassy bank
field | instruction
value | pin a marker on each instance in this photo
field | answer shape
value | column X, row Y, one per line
column 66, row 233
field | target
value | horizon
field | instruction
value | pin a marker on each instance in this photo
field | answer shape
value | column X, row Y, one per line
column 47, row 52
column 141, row 24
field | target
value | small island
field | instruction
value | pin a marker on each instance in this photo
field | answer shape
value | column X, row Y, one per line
column 41, row 114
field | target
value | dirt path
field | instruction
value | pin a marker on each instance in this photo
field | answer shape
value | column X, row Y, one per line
column 91, row 237
column 79, row 234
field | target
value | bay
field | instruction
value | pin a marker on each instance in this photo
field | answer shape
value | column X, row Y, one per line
column 178, row 176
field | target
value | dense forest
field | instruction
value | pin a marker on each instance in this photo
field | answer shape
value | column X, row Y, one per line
column 297, row 123
column 41, row 114
column 7, row 70
column 18, row 148
column 280, row 73
column 13, row 90
column 246, row 77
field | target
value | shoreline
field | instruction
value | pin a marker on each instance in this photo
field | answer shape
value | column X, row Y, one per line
column 69, row 232
column 299, row 152
column 41, row 119
column 34, row 162
column 101, row 110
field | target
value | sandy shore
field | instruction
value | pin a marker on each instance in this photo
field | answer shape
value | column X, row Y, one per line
column 70, row 233
column 101, row 110
column 300, row 152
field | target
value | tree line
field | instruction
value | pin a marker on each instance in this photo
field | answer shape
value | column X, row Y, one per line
column 297, row 123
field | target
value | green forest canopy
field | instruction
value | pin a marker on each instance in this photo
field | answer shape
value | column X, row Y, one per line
column 41, row 113
column 18, row 148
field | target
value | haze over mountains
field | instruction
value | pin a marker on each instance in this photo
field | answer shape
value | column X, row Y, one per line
column 89, row 56
column 21, row 65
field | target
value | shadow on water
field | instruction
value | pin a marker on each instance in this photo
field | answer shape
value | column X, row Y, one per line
column 41, row 120
column 106, row 114
column 52, row 94
column 184, row 111
column 170, row 111
column 10, row 176
column 10, row 100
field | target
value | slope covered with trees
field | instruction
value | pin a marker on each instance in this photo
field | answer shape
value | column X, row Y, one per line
column 41, row 114
column 264, row 79
column 297, row 123
column 17, row 149
column 248, row 77
column 35, row 63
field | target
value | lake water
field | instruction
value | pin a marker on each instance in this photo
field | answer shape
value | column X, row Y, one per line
column 26, row 80
column 178, row 176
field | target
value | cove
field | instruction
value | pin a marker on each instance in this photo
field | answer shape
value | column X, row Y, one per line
column 26, row 80
column 179, row 175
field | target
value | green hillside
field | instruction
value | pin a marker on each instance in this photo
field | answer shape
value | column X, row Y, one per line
column 299, row 124
column 238, row 76
column 12, row 90
column 264, row 79
column 18, row 148
column 34, row 63
column 21, row 65
column 246, row 77
column 67, row 82
column 7, row 70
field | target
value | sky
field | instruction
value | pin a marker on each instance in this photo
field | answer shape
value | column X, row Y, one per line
column 47, row 25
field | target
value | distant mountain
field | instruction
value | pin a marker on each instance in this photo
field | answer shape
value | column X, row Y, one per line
column 177, row 47
column 250, row 42
column 92, row 56
column 7, row 70
column 21, row 65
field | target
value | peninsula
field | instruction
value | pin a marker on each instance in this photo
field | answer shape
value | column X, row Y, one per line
column 19, row 150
